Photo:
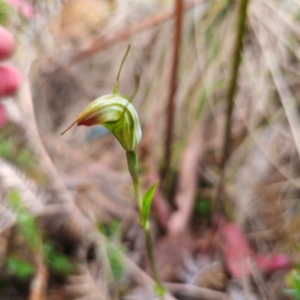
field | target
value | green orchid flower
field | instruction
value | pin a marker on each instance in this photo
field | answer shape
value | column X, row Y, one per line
column 117, row 114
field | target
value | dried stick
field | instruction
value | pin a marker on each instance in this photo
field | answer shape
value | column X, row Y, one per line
column 102, row 43
column 170, row 111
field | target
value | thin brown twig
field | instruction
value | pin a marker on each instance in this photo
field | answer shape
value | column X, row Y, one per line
column 170, row 110
column 152, row 21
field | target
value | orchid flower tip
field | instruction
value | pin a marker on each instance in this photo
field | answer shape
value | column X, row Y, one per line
column 69, row 127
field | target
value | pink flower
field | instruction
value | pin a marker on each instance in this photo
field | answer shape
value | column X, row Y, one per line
column 9, row 80
column 7, row 43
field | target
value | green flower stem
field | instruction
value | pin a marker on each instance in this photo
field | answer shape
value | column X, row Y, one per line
column 149, row 247
column 133, row 170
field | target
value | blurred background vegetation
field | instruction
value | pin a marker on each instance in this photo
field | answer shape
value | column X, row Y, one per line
column 219, row 108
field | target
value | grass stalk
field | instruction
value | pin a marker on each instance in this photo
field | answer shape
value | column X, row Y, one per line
column 170, row 111
column 236, row 59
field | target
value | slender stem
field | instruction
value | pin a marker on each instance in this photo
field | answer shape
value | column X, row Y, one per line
column 133, row 170
column 149, row 247
column 170, row 111
column 236, row 59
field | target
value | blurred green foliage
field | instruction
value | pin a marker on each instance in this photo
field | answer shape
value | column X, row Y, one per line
column 160, row 290
column 116, row 264
column 6, row 148
column 112, row 232
column 5, row 11
column 203, row 207
column 19, row 267
column 293, row 280
column 20, row 157
column 35, row 241
column 13, row 149
column 57, row 262
column 26, row 224
column 297, row 15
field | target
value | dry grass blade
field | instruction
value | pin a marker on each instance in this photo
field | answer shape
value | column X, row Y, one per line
column 140, row 276
column 259, row 280
column 150, row 22
column 187, row 187
column 75, row 224
column 287, row 99
column 83, row 287
column 32, row 196
column 195, row 292
column 11, row 178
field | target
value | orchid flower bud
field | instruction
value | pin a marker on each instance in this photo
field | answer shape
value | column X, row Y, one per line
column 117, row 114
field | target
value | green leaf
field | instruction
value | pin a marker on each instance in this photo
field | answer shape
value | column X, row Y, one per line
column 160, row 290
column 19, row 267
column 116, row 264
column 56, row 261
column 14, row 200
column 25, row 221
column 112, row 231
column 203, row 206
column 147, row 200
column 6, row 148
